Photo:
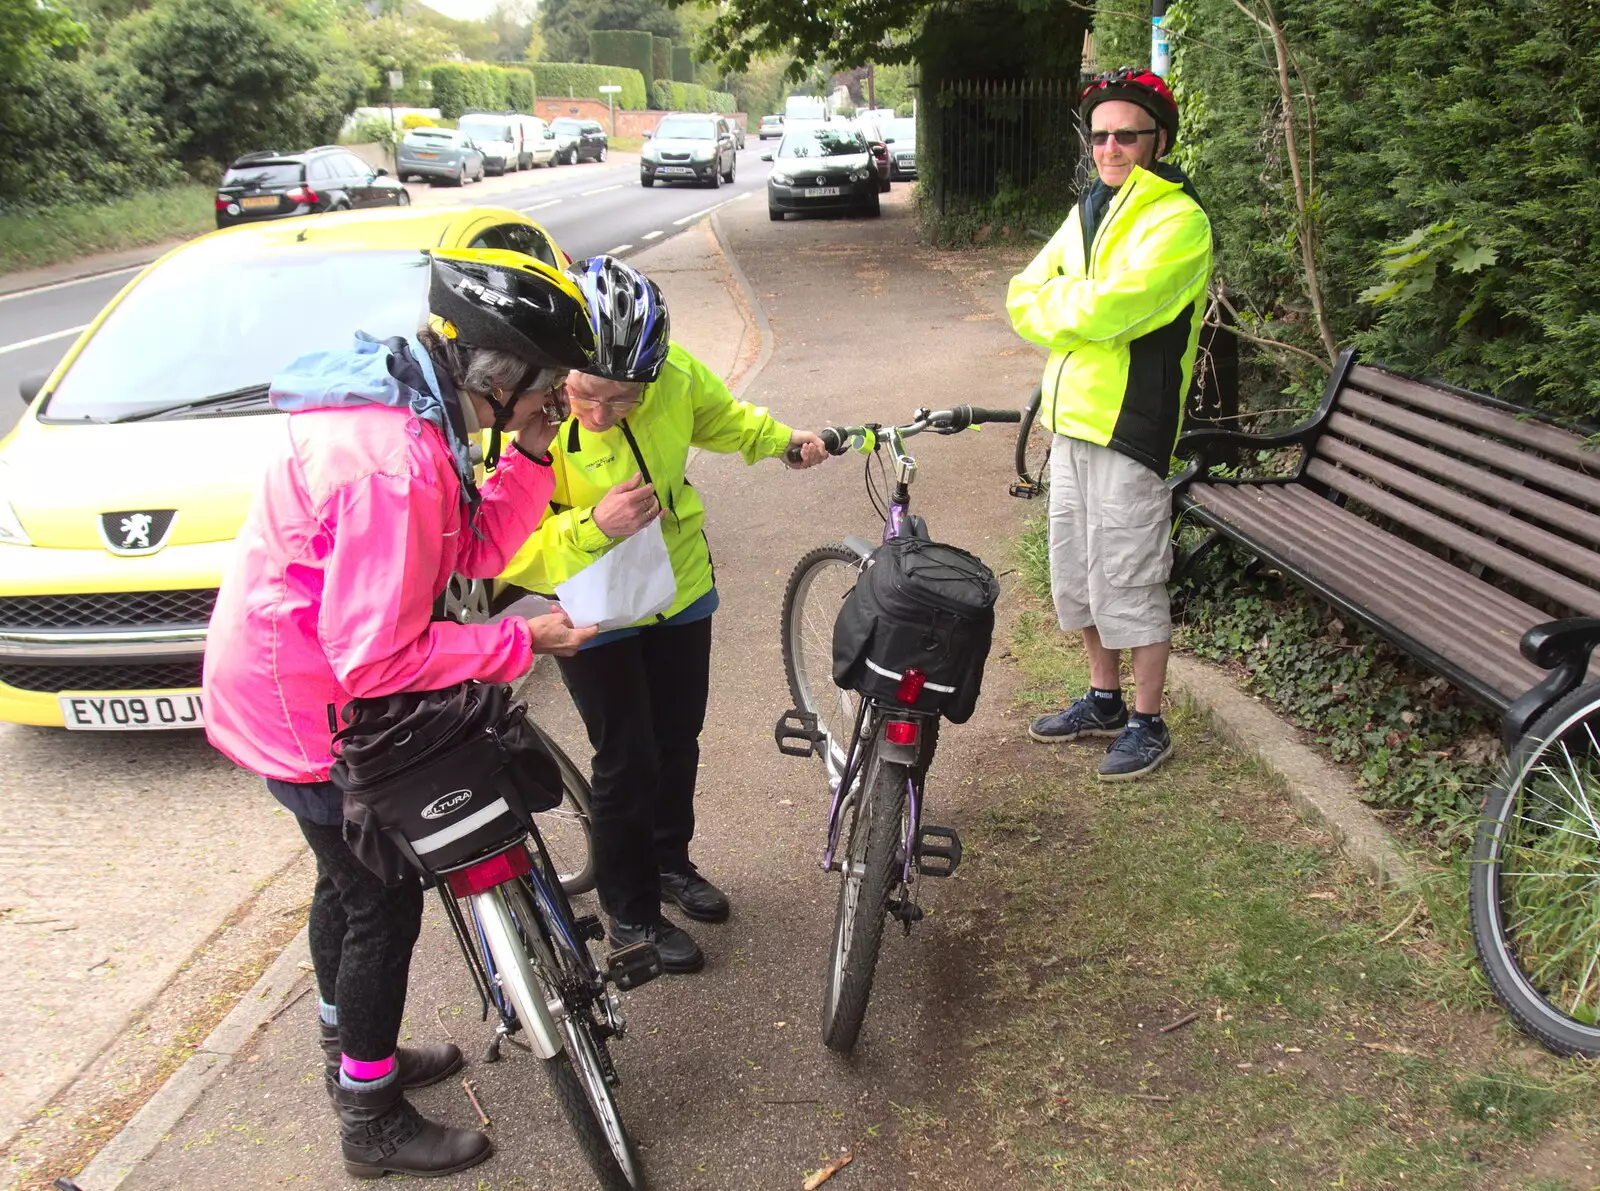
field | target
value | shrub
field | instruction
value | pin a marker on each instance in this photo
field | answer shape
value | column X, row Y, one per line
column 520, row 90
column 470, row 87
column 660, row 58
column 375, row 130
column 415, row 120
column 661, row 97
column 722, row 101
column 683, row 64
column 629, row 49
column 581, row 80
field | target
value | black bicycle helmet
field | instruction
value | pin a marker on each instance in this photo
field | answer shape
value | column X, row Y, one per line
column 628, row 316
column 1134, row 84
column 503, row 300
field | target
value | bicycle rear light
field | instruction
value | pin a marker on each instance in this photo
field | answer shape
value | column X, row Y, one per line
column 900, row 732
column 486, row 874
column 911, row 684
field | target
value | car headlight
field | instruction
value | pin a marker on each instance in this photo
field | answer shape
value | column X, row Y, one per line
column 859, row 175
column 648, row 153
column 702, row 154
column 783, row 179
column 11, row 531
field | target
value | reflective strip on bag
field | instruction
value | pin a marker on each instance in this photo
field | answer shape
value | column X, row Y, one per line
column 449, row 835
column 890, row 674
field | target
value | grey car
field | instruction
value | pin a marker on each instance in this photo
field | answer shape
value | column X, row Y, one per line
column 689, row 147
column 439, row 155
column 822, row 167
column 902, row 137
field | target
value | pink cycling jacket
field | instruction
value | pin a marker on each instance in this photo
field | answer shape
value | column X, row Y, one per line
column 355, row 532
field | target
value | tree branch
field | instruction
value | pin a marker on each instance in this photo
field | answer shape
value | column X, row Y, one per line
column 1273, row 343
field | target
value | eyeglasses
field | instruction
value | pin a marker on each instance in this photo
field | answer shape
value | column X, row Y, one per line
column 1125, row 136
column 623, row 404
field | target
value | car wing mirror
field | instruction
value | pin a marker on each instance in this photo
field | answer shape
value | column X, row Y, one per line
column 766, row 157
column 380, row 172
column 888, row 140
column 31, row 383
column 648, row 134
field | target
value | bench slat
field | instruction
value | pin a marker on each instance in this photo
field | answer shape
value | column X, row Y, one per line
column 1558, row 550
column 1269, row 515
column 1541, row 436
column 1551, row 475
column 1531, row 574
column 1520, row 497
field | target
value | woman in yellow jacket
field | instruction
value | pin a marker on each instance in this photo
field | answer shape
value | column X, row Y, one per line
column 619, row 464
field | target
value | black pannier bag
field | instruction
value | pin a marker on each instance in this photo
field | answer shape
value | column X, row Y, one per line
column 918, row 605
column 433, row 778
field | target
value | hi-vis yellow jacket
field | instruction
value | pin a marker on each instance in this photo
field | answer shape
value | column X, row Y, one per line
column 686, row 406
column 1121, row 316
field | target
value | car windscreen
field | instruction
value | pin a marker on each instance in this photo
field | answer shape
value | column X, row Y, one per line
column 264, row 175
column 487, row 130
column 688, row 130
column 822, row 142
column 903, row 131
column 567, row 125
column 199, row 325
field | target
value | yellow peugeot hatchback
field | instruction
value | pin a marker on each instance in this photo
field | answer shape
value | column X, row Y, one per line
column 125, row 483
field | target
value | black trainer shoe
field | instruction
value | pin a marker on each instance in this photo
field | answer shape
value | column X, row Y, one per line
column 694, row 895
column 1082, row 718
column 1140, row 749
column 679, row 953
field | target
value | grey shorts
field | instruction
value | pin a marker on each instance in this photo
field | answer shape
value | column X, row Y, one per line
column 1110, row 544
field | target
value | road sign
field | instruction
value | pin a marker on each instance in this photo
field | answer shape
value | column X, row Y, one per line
column 608, row 90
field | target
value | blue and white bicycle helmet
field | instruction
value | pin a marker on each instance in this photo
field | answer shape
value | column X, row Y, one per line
column 629, row 315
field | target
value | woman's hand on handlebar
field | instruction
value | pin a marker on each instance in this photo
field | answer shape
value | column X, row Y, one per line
column 805, row 450
column 553, row 633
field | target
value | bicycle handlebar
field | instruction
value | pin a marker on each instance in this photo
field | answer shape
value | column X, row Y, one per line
column 836, row 439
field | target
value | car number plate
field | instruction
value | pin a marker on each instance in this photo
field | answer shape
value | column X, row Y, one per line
column 429, row 156
column 822, row 192
column 132, row 712
column 265, row 200
column 674, row 169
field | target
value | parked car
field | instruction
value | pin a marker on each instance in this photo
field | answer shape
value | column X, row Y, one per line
column 822, row 167
column 438, row 155
column 770, row 126
column 579, row 140
column 280, row 185
column 880, row 151
column 689, row 147
column 539, row 140
column 901, row 137
column 107, row 582
column 738, row 133
column 499, row 135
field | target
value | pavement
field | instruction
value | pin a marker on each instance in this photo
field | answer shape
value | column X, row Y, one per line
column 726, row 1086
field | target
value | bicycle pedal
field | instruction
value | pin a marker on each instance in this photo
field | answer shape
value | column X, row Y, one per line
column 938, row 852
column 905, row 911
column 589, row 926
column 797, row 734
column 1024, row 490
column 637, row 963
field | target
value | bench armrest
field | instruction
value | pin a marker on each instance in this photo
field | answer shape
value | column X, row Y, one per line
column 1557, row 641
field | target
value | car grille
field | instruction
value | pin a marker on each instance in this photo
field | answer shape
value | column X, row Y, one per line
column 160, row 676
column 113, row 609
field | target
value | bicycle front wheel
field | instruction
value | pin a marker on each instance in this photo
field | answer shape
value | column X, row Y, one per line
column 816, row 589
column 565, row 827
column 1534, row 888
column 872, row 864
column 1033, row 446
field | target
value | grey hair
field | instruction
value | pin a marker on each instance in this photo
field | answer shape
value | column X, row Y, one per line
column 485, row 370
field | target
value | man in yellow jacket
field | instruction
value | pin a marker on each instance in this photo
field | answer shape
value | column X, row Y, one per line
column 619, row 464
column 1117, row 295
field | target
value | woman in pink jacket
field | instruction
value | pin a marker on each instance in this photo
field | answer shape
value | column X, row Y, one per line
column 358, row 526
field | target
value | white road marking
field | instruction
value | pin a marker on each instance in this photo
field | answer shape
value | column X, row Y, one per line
column 539, row 206
column 44, row 289
column 711, row 208
column 619, row 249
column 602, row 190
column 16, row 347
column 650, row 235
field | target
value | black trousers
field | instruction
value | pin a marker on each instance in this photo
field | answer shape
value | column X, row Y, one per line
column 643, row 700
column 362, row 933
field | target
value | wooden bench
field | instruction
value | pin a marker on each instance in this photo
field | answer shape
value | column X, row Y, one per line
column 1463, row 529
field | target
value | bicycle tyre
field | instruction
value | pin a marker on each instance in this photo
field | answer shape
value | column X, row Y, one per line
column 1530, row 921
column 816, row 587
column 1032, row 459
column 870, row 866
column 566, row 828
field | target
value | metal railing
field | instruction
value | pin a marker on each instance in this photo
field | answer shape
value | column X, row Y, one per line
column 1006, row 134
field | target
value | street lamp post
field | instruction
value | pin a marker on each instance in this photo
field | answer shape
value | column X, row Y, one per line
column 608, row 90
column 1160, row 44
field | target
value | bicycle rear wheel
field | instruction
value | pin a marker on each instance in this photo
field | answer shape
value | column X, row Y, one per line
column 1033, row 446
column 816, row 589
column 1534, row 888
column 871, row 864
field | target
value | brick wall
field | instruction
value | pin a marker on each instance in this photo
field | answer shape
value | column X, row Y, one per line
column 629, row 123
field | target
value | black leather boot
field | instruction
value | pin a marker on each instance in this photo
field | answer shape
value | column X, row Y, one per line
column 418, row 1068
column 381, row 1133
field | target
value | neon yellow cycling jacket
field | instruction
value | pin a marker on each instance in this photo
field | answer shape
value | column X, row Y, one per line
column 687, row 406
column 1121, row 317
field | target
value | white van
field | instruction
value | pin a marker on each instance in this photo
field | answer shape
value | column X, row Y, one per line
column 539, row 141
column 498, row 135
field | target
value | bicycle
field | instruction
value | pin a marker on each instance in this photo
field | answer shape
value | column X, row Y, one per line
column 530, row 961
column 876, row 753
column 1032, row 455
column 565, row 827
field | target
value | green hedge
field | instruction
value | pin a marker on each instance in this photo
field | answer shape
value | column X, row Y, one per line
column 660, row 58
column 668, row 96
column 520, row 90
column 628, row 49
column 473, row 87
column 722, row 101
column 682, row 64
column 581, row 80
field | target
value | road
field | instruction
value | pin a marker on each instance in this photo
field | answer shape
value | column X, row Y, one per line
column 588, row 209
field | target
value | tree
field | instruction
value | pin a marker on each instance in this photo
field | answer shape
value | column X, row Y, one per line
column 391, row 42
column 565, row 24
column 30, row 29
column 511, row 24
column 838, row 30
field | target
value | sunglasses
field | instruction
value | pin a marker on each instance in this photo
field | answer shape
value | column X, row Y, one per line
column 1125, row 136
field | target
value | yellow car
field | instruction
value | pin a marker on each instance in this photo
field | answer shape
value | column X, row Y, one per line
column 122, row 488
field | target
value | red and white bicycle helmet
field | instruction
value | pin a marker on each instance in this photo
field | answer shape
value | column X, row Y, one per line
column 1134, row 84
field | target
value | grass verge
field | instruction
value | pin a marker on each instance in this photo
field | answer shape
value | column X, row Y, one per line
column 625, row 144
column 1195, row 991
column 49, row 235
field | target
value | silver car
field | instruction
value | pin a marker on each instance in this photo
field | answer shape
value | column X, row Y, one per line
column 439, row 155
column 689, row 147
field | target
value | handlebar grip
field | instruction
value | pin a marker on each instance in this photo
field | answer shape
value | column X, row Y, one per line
column 980, row 416
column 836, row 442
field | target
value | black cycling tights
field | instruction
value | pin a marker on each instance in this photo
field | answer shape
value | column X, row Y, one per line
column 362, row 934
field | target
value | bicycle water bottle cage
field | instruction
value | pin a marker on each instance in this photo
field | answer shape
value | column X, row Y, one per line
column 637, row 963
column 1025, row 489
column 797, row 734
